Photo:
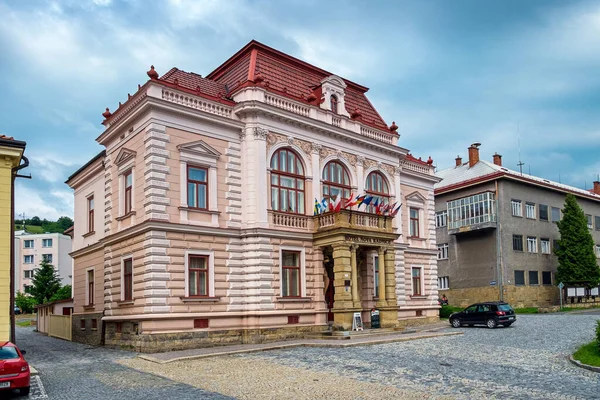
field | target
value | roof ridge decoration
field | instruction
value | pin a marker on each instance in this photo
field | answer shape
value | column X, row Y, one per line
column 124, row 155
column 199, row 147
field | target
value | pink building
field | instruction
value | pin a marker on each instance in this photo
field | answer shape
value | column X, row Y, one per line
column 195, row 225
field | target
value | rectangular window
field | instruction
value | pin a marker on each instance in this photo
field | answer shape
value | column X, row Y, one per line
column 201, row 323
column 530, row 210
column 545, row 245
column 197, row 187
column 28, row 274
column 28, row 259
column 127, row 279
column 443, row 282
column 416, row 281
column 471, row 210
column 534, row 278
column 28, row 244
column 519, row 278
column 198, row 276
column 543, row 212
column 555, row 244
column 376, row 274
column 47, row 258
column 442, row 251
column 27, row 288
column 414, row 222
column 94, row 323
column 441, row 219
column 91, row 214
column 46, row 242
column 290, row 270
column 597, row 222
column 532, row 244
column 128, row 181
column 82, row 324
column 547, row 278
column 555, row 214
column 598, row 250
column 518, row 242
column 90, row 287
column 517, row 208
column 590, row 222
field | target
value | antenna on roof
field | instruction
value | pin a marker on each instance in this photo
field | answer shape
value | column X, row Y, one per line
column 559, row 178
column 521, row 163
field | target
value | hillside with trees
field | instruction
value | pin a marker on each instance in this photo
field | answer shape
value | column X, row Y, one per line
column 37, row 225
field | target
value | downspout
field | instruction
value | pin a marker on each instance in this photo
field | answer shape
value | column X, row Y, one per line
column 13, row 335
column 499, row 266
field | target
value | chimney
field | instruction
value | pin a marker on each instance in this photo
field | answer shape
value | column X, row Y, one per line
column 596, row 188
column 474, row 154
column 498, row 159
column 458, row 161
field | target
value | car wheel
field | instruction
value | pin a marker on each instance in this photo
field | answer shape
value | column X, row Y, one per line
column 455, row 322
column 491, row 323
column 24, row 391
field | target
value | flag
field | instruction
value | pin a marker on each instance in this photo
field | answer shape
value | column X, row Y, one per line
column 393, row 214
column 317, row 209
column 323, row 205
column 367, row 200
column 376, row 205
column 337, row 204
column 359, row 200
column 351, row 201
column 384, row 208
column 389, row 207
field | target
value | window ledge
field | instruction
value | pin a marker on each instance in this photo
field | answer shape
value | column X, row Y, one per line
column 90, row 233
column 417, row 238
column 125, row 216
column 123, row 303
column 200, row 299
column 198, row 210
column 418, row 297
column 89, row 307
column 294, row 299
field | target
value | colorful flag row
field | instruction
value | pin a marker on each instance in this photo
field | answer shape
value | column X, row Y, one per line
column 357, row 200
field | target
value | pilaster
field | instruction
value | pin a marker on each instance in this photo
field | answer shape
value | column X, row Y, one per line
column 390, row 277
column 156, row 172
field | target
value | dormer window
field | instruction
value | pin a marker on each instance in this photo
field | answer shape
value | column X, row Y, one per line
column 334, row 104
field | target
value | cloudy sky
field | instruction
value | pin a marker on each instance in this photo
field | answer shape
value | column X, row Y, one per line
column 448, row 72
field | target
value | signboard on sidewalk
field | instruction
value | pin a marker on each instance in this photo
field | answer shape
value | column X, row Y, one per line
column 357, row 324
column 375, row 322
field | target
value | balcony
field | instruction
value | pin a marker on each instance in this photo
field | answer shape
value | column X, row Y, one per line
column 473, row 213
column 481, row 223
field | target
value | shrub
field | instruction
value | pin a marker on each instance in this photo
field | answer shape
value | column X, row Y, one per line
column 25, row 303
column 598, row 334
column 446, row 310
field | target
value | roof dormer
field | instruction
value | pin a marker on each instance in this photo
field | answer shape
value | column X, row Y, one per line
column 333, row 89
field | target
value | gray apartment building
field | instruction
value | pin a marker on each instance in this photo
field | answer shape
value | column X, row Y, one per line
column 496, row 229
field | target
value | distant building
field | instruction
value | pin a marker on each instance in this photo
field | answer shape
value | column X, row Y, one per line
column 11, row 153
column 31, row 249
column 496, row 230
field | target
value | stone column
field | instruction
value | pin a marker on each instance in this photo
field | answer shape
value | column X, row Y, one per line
column 260, row 141
column 382, row 286
column 390, row 277
column 342, row 269
column 355, row 296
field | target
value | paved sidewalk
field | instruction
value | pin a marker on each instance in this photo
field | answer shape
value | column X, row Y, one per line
column 413, row 333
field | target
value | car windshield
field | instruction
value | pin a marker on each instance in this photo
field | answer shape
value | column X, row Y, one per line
column 8, row 353
column 504, row 307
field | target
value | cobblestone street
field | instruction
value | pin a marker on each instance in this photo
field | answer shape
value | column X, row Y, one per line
column 527, row 360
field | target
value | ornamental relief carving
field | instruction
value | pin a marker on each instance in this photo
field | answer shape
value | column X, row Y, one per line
column 352, row 159
column 369, row 164
column 389, row 169
column 326, row 152
column 260, row 133
column 275, row 138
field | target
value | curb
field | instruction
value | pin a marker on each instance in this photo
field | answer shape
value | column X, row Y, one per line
column 294, row 345
column 584, row 366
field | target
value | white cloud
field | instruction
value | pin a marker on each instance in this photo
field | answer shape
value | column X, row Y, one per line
column 33, row 201
column 224, row 17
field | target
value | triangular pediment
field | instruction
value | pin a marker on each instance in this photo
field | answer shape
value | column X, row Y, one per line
column 416, row 197
column 199, row 148
column 124, row 155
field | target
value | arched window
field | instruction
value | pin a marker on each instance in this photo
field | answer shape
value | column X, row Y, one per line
column 336, row 179
column 287, row 182
column 377, row 187
column 334, row 104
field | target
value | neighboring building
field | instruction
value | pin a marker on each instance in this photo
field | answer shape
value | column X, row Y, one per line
column 44, row 311
column 195, row 226
column 33, row 248
column 496, row 230
column 11, row 153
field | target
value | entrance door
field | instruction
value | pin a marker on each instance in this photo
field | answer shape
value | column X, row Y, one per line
column 329, row 289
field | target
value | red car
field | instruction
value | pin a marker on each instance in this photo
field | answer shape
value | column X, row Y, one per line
column 14, row 370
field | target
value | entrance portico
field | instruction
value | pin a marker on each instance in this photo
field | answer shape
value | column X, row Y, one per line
column 346, row 238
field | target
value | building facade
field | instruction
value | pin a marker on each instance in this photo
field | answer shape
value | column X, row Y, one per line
column 196, row 227
column 31, row 249
column 11, row 153
column 496, row 231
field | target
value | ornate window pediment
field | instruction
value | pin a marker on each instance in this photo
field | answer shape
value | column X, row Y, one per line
column 199, row 148
column 334, row 88
column 416, row 197
column 124, row 156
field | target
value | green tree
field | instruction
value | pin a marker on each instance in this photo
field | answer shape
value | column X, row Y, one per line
column 576, row 258
column 45, row 283
column 25, row 303
column 36, row 221
column 63, row 293
column 64, row 223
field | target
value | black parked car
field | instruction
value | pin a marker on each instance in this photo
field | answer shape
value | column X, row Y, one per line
column 492, row 314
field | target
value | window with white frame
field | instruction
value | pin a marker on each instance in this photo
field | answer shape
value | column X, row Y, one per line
column 517, row 208
column 598, row 250
column 442, row 251
column 441, row 219
column 28, row 259
column 532, row 244
column 590, row 221
column 28, row 244
column 417, row 281
column 545, row 246
column 471, row 210
column 199, row 274
column 443, row 282
column 555, row 214
column 198, row 168
column 46, row 242
column 28, row 274
column 47, row 258
column 530, row 210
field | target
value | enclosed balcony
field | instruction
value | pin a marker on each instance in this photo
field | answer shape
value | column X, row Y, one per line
column 472, row 213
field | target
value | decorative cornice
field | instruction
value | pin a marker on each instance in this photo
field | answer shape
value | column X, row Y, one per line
column 315, row 148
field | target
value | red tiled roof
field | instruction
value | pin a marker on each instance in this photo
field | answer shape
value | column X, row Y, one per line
column 194, row 82
column 412, row 158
